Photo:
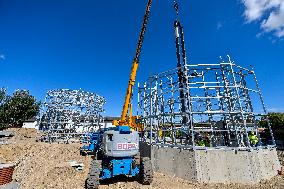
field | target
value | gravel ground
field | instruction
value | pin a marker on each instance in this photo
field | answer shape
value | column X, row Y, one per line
column 45, row 166
column 281, row 156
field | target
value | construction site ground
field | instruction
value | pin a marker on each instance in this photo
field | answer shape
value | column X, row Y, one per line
column 42, row 165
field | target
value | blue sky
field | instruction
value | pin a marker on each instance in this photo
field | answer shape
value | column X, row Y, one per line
column 51, row 44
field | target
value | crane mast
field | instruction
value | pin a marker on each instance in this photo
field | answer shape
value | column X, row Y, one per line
column 181, row 62
column 127, row 106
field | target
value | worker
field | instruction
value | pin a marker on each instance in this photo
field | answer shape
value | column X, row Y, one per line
column 201, row 140
column 252, row 138
column 201, row 143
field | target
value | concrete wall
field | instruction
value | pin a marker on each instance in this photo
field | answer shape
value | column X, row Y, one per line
column 230, row 166
column 214, row 166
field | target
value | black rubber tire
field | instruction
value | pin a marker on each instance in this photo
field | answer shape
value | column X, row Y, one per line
column 92, row 181
column 146, row 171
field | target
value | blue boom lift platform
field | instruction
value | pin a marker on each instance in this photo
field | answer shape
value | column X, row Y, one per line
column 115, row 152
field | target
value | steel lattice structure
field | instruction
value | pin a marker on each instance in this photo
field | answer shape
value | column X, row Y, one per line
column 221, row 103
column 67, row 114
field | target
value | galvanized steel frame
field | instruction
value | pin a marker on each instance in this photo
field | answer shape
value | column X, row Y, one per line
column 68, row 114
column 222, row 101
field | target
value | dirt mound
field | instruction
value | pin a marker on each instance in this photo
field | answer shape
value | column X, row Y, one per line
column 23, row 134
column 48, row 165
column 57, row 172
column 43, row 165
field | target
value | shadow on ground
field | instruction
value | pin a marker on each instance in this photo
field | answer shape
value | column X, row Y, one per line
column 120, row 178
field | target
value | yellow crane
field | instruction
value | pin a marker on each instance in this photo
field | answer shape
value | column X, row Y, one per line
column 126, row 118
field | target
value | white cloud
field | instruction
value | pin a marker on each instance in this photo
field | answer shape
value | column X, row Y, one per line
column 219, row 25
column 269, row 13
column 2, row 56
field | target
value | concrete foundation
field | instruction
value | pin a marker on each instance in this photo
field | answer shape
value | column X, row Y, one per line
column 214, row 165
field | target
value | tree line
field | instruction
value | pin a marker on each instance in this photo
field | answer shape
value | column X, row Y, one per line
column 17, row 108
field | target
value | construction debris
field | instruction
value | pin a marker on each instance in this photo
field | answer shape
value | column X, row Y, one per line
column 6, row 134
column 13, row 185
column 77, row 166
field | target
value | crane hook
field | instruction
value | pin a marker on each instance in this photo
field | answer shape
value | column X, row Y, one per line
column 176, row 7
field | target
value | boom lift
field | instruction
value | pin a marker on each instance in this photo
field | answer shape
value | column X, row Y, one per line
column 115, row 150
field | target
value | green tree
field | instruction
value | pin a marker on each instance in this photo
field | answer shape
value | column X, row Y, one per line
column 276, row 120
column 3, row 96
column 17, row 108
column 277, row 124
column 3, row 99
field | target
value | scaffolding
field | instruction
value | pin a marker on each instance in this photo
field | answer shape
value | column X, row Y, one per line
column 204, row 106
column 68, row 114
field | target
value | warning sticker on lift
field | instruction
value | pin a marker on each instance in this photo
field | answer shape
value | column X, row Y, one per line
column 127, row 146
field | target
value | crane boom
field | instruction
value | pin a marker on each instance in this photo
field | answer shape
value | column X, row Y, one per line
column 127, row 101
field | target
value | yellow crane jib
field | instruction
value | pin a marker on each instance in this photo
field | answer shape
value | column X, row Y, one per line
column 125, row 119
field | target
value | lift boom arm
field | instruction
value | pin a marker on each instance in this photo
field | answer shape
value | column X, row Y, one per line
column 127, row 101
